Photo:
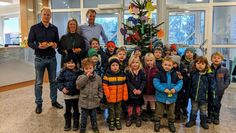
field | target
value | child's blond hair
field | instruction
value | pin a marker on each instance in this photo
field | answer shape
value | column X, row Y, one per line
column 149, row 56
column 87, row 62
column 121, row 49
column 131, row 59
column 168, row 59
column 217, row 54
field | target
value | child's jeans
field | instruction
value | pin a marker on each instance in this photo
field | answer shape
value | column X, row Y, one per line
column 151, row 100
column 198, row 106
column 93, row 118
column 160, row 110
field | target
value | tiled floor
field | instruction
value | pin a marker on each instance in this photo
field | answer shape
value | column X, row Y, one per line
column 17, row 115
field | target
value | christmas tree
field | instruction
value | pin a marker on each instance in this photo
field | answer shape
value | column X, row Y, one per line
column 139, row 29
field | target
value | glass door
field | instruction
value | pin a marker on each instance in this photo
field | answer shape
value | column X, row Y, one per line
column 187, row 28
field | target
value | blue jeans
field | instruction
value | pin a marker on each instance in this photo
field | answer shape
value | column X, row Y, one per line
column 40, row 65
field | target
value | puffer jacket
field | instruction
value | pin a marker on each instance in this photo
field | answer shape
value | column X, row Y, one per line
column 115, row 87
column 167, row 80
column 150, row 74
column 135, row 82
column 67, row 79
column 201, row 85
column 90, row 91
column 222, row 78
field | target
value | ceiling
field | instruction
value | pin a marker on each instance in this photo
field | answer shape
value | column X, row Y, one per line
column 5, row 3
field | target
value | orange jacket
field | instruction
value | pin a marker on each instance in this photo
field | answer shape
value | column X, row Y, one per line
column 115, row 87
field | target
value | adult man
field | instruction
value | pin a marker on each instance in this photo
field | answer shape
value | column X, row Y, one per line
column 91, row 29
column 43, row 38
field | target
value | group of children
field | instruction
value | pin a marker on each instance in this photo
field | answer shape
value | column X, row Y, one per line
column 143, row 87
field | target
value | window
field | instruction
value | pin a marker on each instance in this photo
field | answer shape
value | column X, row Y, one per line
column 185, row 1
column 11, row 30
column 62, row 4
column 60, row 19
column 224, row 25
column 94, row 3
column 224, row 0
column 186, row 27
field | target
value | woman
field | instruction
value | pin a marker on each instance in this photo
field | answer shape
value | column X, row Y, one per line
column 72, row 40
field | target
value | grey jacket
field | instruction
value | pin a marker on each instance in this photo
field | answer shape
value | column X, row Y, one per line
column 222, row 78
column 90, row 91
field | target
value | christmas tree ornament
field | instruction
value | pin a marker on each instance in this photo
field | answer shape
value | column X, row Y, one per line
column 123, row 31
column 160, row 33
column 149, row 6
column 135, row 10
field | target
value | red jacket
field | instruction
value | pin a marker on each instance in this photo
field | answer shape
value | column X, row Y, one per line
column 150, row 74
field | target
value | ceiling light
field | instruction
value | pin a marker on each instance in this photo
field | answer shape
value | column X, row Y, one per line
column 4, row 3
column 199, row 0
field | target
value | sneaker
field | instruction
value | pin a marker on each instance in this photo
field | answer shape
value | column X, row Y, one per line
column 38, row 109
column 138, row 122
column 216, row 121
column 57, row 105
column 128, row 122
column 190, row 124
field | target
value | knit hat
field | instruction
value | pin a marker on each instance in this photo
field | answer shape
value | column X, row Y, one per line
column 173, row 47
column 92, row 52
column 176, row 59
column 112, row 60
column 191, row 49
column 70, row 56
column 111, row 44
column 137, row 49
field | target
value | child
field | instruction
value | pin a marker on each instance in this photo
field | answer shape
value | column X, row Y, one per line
column 173, row 49
column 66, row 84
column 136, row 81
column 93, row 55
column 121, row 54
column 222, row 78
column 149, row 92
column 167, row 85
column 115, row 88
column 111, row 49
column 186, row 64
column 94, row 43
column 201, row 83
column 90, row 86
column 137, row 52
column 158, row 55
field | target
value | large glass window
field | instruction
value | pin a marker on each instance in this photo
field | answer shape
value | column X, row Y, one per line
column 224, row 25
column 94, row 3
column 109, row 22
column 60, row 19
column 186, row 27
column 11, row 30
column 186, row 1
column 62, row 4
column 224, row 0
column 127, row 2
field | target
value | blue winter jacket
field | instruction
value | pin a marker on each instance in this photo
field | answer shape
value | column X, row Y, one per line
column 167, row 80
column 201, row 85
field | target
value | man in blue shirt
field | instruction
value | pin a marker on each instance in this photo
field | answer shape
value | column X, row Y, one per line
column 91, row 29
column 43, row 38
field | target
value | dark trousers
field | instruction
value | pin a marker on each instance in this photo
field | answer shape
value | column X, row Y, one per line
column 114, row 110
column 72, row 103
column 93, row 118
column 198, row 106
column 160, row 107
column 214, row 110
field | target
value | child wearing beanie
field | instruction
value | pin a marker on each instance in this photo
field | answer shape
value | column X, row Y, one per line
column 111, row 49
column 115, row 89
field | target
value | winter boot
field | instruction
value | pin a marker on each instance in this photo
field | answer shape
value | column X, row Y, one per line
column 111, row 125
column 171, row 127
column 118, row 124
column 128, row 121
column 192, row 121
column 203, row 122
column 157, row 126
column 67, row 126
column 75, row 121
column 138, row 121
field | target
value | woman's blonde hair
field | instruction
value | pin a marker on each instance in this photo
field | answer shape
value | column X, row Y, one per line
column 149, row 56
column 131, row 59
column 76, row 23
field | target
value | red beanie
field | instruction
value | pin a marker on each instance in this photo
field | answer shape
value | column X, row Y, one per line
column 111, row 44
column 173, row 47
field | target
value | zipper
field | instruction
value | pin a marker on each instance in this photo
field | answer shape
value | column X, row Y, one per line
column 116, row 89
column 198, row 87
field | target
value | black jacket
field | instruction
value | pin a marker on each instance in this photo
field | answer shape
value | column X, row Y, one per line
column 67, row 79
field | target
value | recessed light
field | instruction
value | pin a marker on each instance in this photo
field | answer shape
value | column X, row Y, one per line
column 199, row 0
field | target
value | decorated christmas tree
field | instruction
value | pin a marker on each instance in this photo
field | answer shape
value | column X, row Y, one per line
column 139, row 29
